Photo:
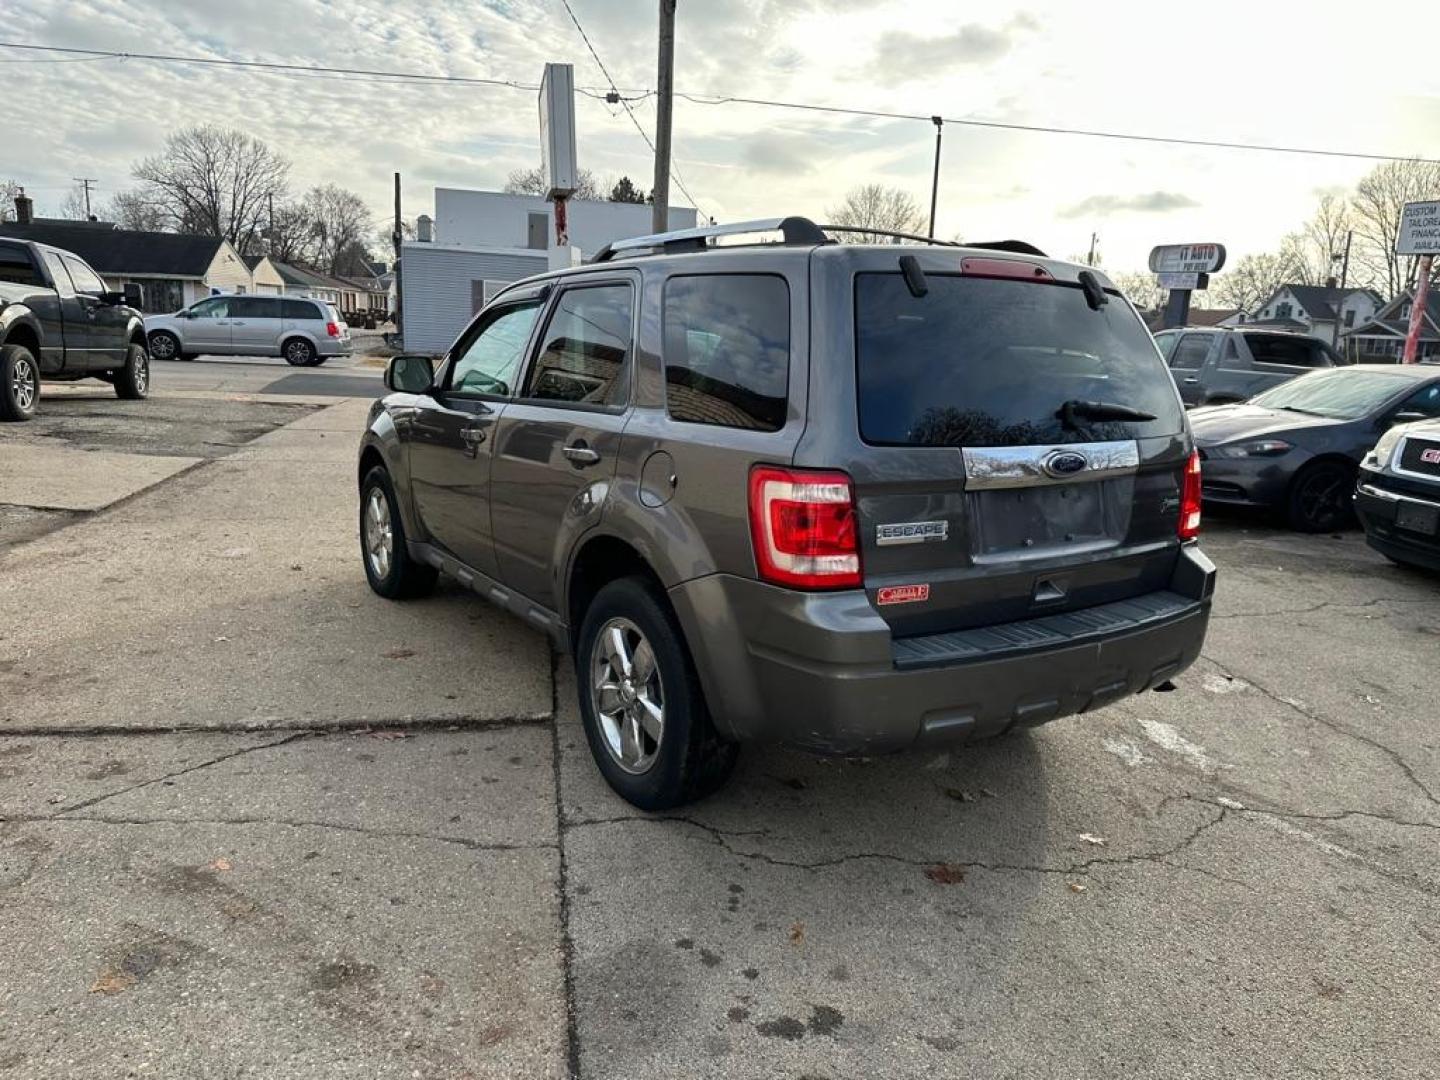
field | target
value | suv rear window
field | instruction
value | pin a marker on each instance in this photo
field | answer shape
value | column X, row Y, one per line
column 990, row 361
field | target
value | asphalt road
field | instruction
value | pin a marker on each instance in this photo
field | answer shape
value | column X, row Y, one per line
column 340, row 376
column 255, row 821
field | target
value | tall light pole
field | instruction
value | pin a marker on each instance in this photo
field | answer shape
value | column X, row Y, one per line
column 939, row 122
column 664, row 103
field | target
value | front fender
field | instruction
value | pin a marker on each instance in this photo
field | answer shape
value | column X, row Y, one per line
column 382, row 437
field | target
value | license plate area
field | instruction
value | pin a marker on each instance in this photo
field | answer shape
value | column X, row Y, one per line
column 1416, row 518
column 1049, row 519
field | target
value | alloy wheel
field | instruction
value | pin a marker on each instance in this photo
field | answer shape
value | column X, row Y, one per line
column 142, row 374
column 379, row 534
column 162, row 346
column 24, row 384
column 627, row 695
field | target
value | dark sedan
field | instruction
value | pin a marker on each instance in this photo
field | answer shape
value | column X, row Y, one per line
column 1398, row 497
column 1296, row 448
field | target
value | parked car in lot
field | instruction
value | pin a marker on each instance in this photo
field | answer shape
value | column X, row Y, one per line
column 1398, row 496
column 58, row 321
column 1217, row 365
column 852, row 498
column 1296, row 448
column 305, row 332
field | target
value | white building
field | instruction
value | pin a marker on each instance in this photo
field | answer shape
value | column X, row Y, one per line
column 1315, row 310
column 485, row 239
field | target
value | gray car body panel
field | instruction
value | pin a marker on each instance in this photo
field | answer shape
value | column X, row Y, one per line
column 817, row 668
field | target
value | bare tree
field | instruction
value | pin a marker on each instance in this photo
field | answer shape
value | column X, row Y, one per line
column 874, row 206
column 1378, row 199
column 1253, row 280
column 1140, row 288
column 8, row 190
column 214, row 182
column 532, row 182
column 290, row 236
column 134, row 210
column 1316, row 247
column 72, row 207
column 340, row 220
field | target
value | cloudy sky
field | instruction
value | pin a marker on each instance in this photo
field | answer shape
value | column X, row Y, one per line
column 1299, row 75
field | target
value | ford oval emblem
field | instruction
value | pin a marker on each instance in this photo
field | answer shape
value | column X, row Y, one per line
column 1065, row 463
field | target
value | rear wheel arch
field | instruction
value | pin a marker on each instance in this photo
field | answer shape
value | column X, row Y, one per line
column 597, row 562
column 24, row 335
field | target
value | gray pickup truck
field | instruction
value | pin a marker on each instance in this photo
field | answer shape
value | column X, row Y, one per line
column 58, row 321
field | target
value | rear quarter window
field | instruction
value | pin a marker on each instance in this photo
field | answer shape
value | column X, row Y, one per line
column 300, row 310
column 17, row 267
column 991, row 361
column 727, row 349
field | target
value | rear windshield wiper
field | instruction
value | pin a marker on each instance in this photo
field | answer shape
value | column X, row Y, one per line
column 1098, row 410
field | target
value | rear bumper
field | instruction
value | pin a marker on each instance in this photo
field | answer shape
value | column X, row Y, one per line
column 1376, row 506
column 821, row 671
column 328, row 346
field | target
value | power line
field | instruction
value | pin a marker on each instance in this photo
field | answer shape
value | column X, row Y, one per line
column 674, row 172
column 1046, row 129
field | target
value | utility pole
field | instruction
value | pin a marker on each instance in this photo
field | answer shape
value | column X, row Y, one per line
column 396, row 238
column 1344, row 273
column 1090, row 259
column 664, row 104
column 85, row 182
column 939, row 122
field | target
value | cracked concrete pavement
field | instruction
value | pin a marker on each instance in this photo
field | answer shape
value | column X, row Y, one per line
column 254, row 821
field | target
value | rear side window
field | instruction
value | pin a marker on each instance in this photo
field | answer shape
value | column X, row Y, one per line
column 727, row 349
column 1290, row 351
column 992, row 361
column 17, row 267
column 584, row 349
column 301, row 310
column 1191, row 352
column 255, row 307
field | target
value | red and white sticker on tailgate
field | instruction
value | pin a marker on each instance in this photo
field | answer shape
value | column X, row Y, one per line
column 902, row 594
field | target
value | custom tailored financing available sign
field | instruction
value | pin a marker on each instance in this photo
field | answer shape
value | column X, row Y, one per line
column 1419, row 229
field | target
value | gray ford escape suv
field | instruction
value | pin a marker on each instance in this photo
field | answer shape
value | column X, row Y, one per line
column 849, row 497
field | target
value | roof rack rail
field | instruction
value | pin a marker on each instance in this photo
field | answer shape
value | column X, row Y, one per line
column 795, row 230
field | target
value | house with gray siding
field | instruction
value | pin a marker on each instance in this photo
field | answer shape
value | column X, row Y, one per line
column 483, row 240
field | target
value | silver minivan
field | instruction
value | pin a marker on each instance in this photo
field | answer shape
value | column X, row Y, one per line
column 304, row 331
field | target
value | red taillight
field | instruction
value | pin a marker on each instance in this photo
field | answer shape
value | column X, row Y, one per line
column 1189, row 527
column 803, row 526
column 333, row 329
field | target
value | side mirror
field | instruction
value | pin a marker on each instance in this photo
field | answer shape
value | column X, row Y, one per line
column 134, row 295
column 1409, row 416
column 410, row 373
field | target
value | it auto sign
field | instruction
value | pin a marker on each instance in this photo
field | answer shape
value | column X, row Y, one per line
column 1187, row 258
column 1419, row 229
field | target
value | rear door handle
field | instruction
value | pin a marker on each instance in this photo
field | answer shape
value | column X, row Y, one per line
column 580, row 454
column 1191, row 381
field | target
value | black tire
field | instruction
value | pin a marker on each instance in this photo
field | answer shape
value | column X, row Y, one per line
column 298, row 352
column 19, row 383
column 1320, row 497
column 400, row 577
column 317, row 361
column 132, row 382
column 166, row 346
column 690, row 759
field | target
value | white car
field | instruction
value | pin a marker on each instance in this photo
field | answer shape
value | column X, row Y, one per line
column 305, row 332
